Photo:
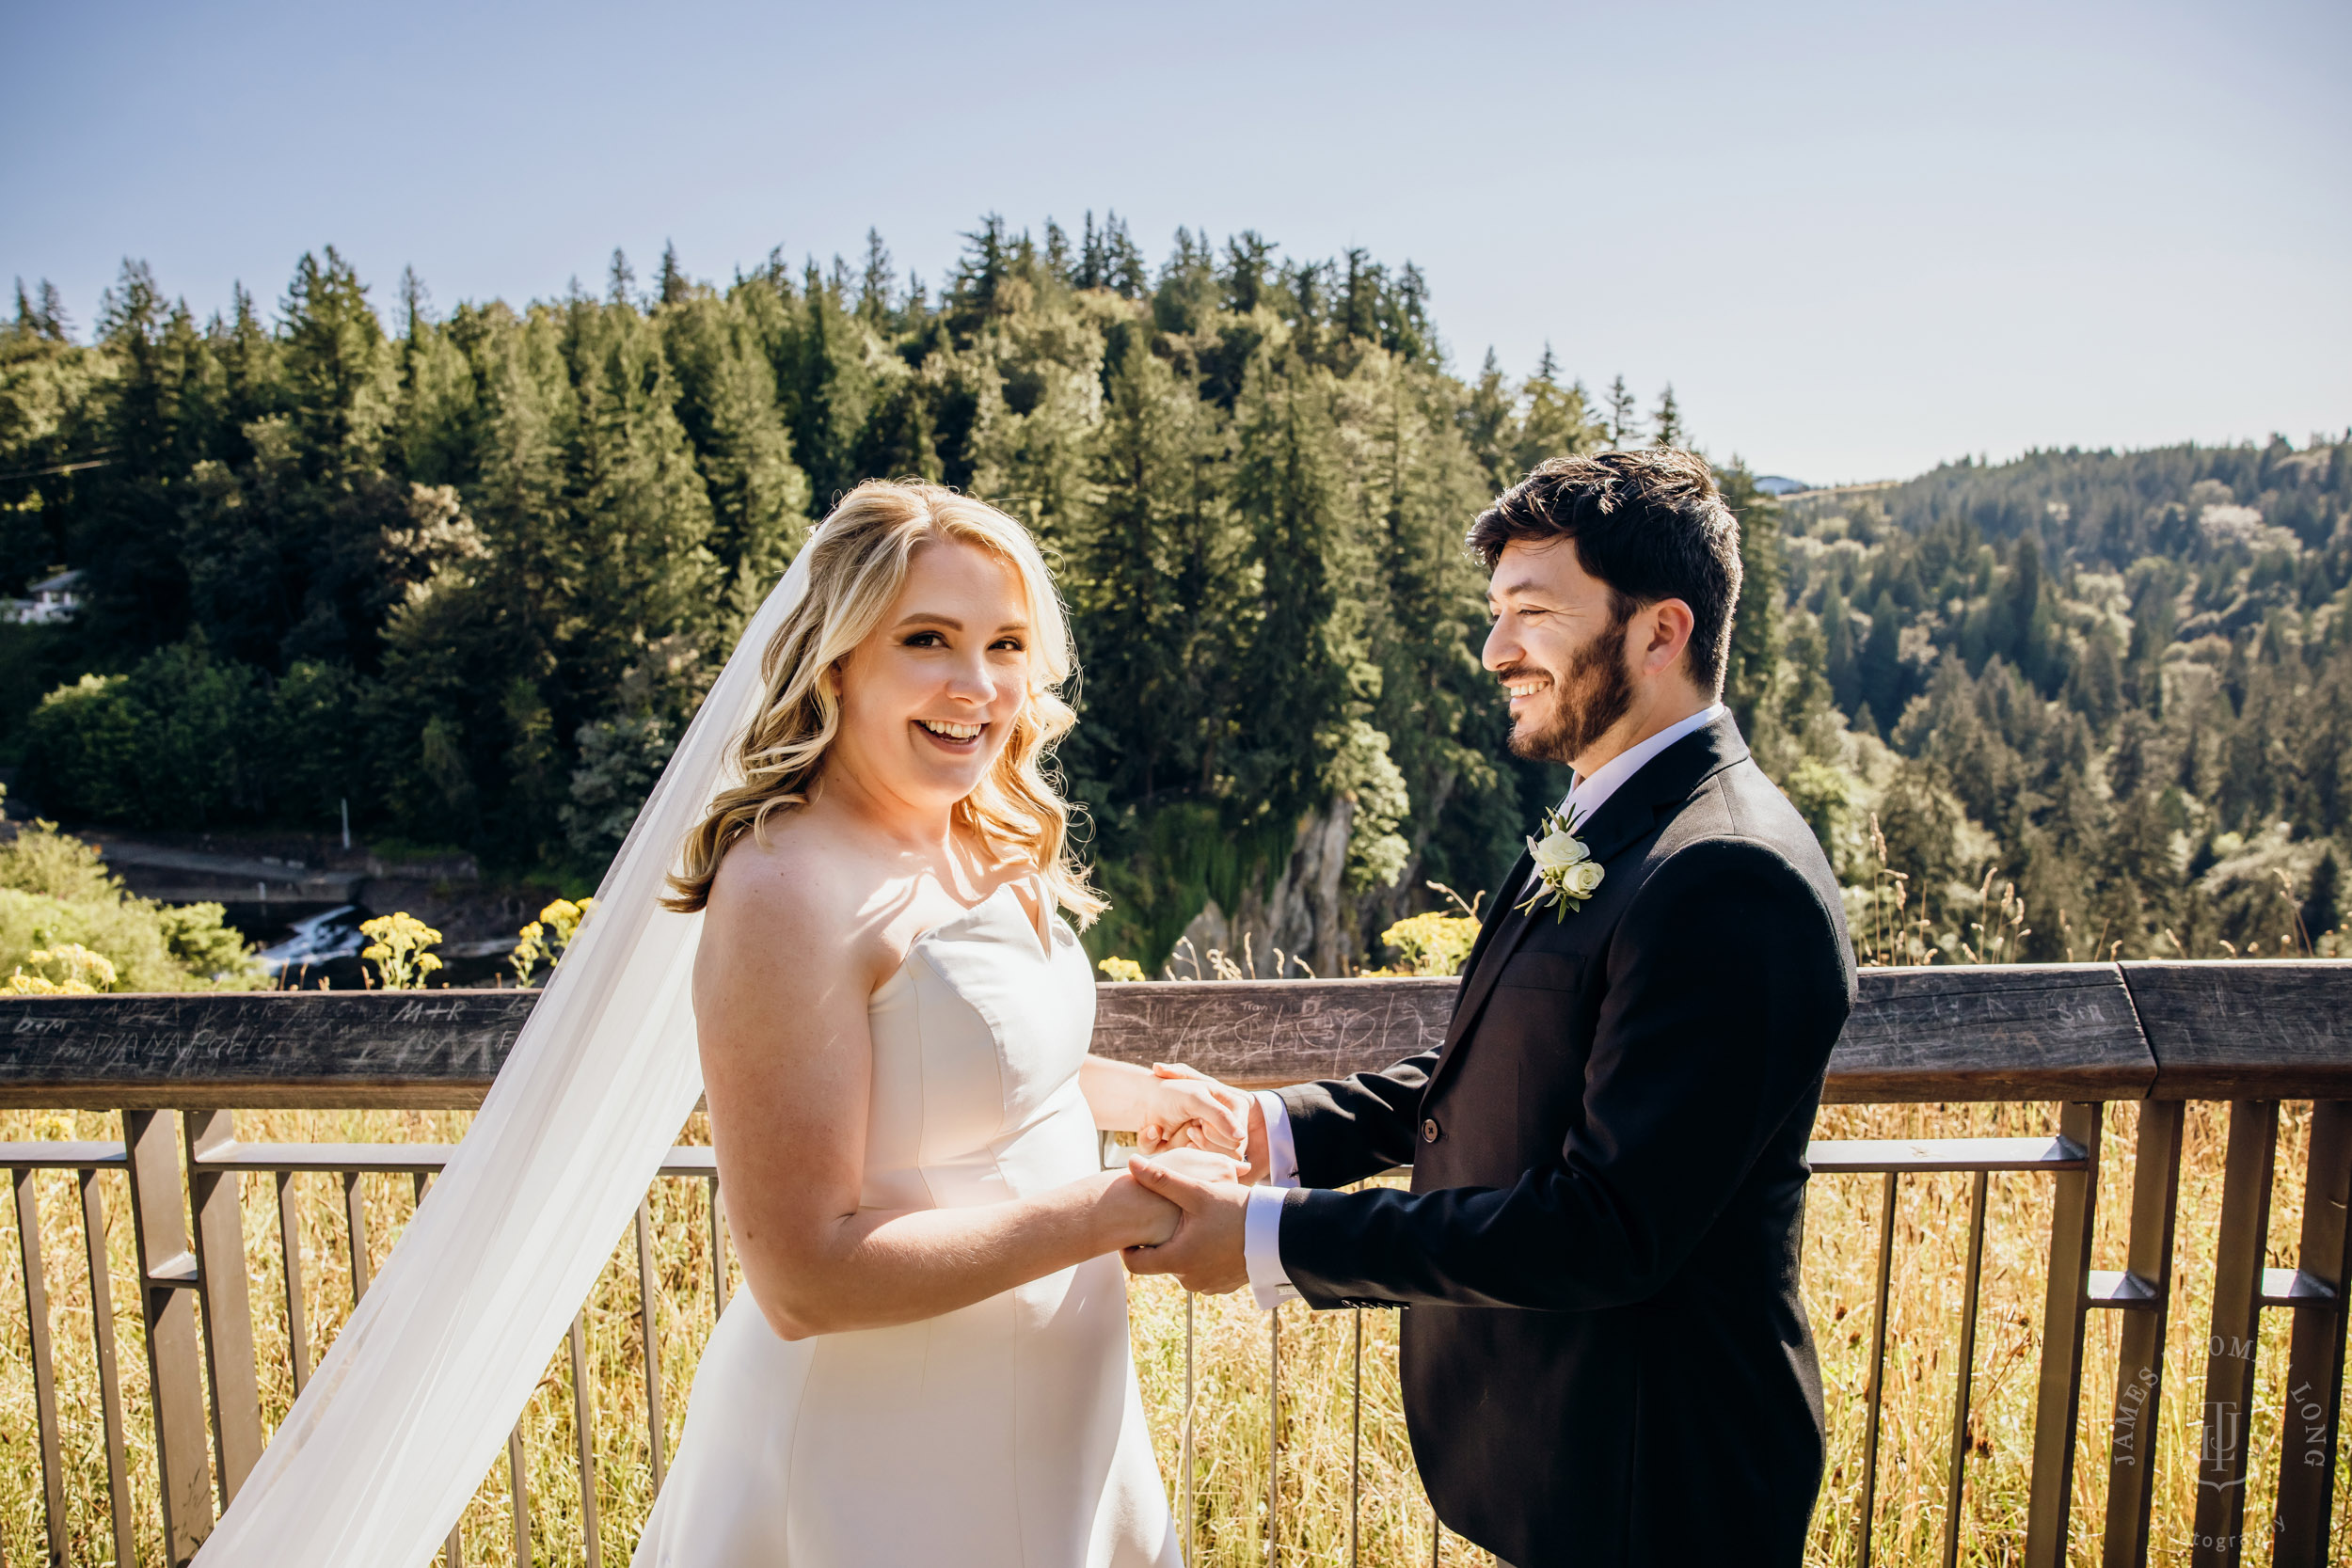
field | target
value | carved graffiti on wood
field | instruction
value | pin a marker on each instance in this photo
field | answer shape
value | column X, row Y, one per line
column 2059, row 1031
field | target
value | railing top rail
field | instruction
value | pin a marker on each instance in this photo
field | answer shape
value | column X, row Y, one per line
column 2266, row 1030
column 62, row 1154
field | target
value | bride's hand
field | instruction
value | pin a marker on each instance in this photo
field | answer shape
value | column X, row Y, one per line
column 1128, row 1214
column 1189, row 1109
column 1200, row 1164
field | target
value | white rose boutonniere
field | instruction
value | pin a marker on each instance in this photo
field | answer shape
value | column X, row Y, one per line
column 1566, row 872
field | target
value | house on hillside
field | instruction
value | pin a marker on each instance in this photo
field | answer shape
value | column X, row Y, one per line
column 54, row 599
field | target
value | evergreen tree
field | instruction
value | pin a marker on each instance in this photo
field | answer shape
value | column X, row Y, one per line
column 42, row 314
column 895, row 441
column 1119, row 265
column 639, row 567
column 251, row 388
column 1286, row 494
column 1152, row 560
column 1489, row 422
column 1557, row 423
column 1427, row 613
column 833, row 388
column 436, row 429
column 877, row 282
column 1248, row 259
column 1359, row 296
column 128, row 534
column 1885, row 687
column 727, row 403
column 1666, row 424
column 1189, row 291
column 1625, row 426
column 1094, row 262
column 416, row 304
column 1841, row 657
column 2322, row 909
column 1759, row 636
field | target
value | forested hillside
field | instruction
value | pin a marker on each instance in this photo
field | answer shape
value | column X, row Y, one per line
column 471, row 570
column 2124, row 682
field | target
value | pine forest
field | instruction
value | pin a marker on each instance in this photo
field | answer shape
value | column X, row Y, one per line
column 467, row 572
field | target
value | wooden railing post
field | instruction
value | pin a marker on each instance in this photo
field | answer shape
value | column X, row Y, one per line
column 2140, row 1359
column 109, row 1373
column 2314, row 1393
column 2222, row 1462
column 584, row 1430
column 44, row 1369
column 1872, row 1394
column 2073, row 1211
column 228, row 1308
column 168, row 1277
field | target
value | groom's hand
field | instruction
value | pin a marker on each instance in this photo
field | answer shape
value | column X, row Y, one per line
column 1206, row 1254
column 1188, row 1109
column 1254, row 1149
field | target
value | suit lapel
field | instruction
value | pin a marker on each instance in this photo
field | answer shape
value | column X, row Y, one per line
column 1664, row 783
column 1498, row 916
column 1496, row 943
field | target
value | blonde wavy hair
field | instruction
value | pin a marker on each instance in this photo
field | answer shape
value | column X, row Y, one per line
column 858, row 559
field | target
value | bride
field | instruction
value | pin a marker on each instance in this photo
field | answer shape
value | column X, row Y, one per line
column 931, row 1362
column 859, row 956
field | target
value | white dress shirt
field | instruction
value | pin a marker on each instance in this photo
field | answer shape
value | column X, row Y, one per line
column 1261, row 1224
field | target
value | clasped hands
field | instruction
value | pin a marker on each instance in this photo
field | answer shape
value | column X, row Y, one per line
column 1203, row 1141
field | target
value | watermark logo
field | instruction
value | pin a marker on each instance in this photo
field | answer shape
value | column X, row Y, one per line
column 2129, row 1406
column 2308, row 1411
column 2218, row 1444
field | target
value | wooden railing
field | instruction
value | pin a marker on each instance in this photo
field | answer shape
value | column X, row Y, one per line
column 177, row 1068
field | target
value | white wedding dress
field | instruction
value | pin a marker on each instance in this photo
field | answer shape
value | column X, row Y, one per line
column 1009, row 1434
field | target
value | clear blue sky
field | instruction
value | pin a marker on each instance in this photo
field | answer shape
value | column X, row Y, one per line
column 1857, row 239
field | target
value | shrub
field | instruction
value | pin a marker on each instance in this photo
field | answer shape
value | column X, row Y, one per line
column 56, row 894
column 1433, row 943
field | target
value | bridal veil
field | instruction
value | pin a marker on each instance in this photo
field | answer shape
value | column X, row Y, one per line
column 411, row 1406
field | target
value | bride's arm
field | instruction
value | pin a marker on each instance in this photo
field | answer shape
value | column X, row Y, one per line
column 788, row 960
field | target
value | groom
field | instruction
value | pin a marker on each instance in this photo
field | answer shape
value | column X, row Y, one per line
column 1605, row 1356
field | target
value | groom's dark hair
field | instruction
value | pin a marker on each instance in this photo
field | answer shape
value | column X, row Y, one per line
column 1648, row 522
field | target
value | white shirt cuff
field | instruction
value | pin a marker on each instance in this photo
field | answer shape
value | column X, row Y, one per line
column 1281, row 1153
column 1262, row 1246
column 1261, row 1224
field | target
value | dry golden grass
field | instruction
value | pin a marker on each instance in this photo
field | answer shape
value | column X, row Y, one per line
column 1231, row 1349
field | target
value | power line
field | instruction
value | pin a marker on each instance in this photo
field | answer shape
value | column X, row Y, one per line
column 74, row 467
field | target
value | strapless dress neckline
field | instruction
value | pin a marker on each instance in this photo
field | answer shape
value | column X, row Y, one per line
column 1054, row 924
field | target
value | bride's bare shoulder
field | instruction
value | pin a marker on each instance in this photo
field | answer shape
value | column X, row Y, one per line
column 791, row 880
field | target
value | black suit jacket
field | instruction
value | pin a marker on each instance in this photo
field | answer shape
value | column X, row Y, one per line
column 1606, row 1360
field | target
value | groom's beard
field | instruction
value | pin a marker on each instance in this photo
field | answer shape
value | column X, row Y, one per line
column 1592, row 694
